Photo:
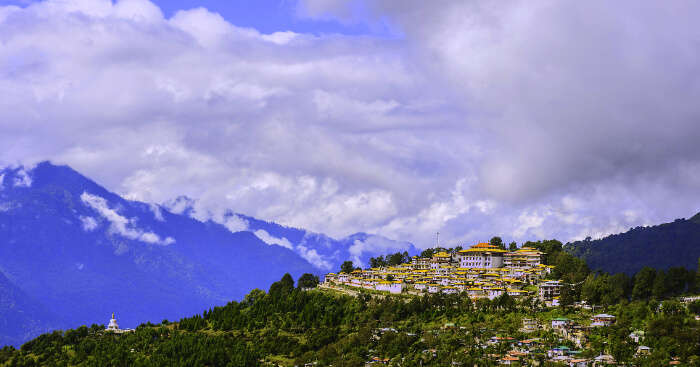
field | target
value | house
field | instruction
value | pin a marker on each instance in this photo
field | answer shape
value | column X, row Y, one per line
column 529, row 325
column 558, row 351
column 560, row 322
column 637, row 336
column 391, row 287
column 578, row 363
column 482, row 255
column 642, row 350
column 549, row 289
column 433, row 288
column 508, row 360
column 602, row 319
column 494, row 292
column 525, row 257
column 603, row 360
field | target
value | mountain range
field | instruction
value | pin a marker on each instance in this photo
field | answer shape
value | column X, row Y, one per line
column 72, row 252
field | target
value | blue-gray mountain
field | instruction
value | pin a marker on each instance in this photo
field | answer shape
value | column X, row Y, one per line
column 21, row 316
column 71, row 253
column 662, row 246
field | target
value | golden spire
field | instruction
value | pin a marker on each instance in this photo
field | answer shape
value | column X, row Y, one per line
column 112, row 315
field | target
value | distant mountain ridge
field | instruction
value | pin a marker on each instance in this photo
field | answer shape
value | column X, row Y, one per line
column 661, row 246
column 324, row 252
column 72, row 252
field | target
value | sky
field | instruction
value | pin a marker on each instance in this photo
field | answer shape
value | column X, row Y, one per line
column 523, row 119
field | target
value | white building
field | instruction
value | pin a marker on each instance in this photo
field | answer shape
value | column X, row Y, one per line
column 482, row 255
column 550, row 289
column 391, row 287
column 113, row 327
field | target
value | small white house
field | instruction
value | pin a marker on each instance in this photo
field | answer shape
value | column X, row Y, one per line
column 433, row 288
column 494, row 292
column 560, row 322
column 449, row 290
column 391, row 287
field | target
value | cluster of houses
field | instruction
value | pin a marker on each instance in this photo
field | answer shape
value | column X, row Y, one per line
column 481, row 271
column 527, row 352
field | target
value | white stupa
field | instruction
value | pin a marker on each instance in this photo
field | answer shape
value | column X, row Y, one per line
column 113, row 326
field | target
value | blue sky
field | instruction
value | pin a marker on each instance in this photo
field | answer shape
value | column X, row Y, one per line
column 267, row 16
column 524, row 119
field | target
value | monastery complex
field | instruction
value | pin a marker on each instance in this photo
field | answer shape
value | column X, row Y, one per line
column 482, row 271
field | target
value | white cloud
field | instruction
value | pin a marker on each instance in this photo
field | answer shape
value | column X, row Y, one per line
column 272, row 240
column 22, row 178
column 477, row 120
column 121, row 225
column 157, row 213
column 89, row 223
column 373, row 243
column 313, row 257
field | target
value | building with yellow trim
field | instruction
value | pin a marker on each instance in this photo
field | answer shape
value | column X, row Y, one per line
column 481, row 255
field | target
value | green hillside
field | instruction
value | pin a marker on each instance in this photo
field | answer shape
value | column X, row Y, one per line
column 288, row 326
column 675, row 244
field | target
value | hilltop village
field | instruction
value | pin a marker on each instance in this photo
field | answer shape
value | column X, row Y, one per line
column 545, row 331
column 481, row 271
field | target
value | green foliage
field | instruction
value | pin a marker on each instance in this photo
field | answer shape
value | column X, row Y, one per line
column 675, row 244
column 498, row 242
column 307, row 280
column 289, row 326
column 282, row 287
column 347, row 267
column 643, row 281
column 390, row 260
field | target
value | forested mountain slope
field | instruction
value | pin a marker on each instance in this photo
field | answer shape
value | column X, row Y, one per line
column 662, row 246
column 72, row 247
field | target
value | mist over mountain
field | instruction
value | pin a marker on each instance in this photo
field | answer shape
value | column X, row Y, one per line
column 324, row 252
column 84, row 252
column 661, row 246
column 71, row 253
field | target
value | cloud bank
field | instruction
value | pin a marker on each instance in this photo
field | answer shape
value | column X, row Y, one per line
column 118, row 224
column 521, row 119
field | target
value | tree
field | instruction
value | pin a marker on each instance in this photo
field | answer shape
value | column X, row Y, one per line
column 498, row 242
column 620, row 285
column 377, row 262
column 660, row 287
column 512, row 246
column 395, row 259
column 307, row 280
column 697, row 276
column 282, row 287
column 588, row 290
column 677, row 279
column 390, row 278
column 347, row 267
column 566, row 296
column 643, row 281
column 427, row 253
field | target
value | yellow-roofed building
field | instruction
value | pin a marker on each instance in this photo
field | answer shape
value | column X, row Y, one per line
column 481, row 255
column 526, row 257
